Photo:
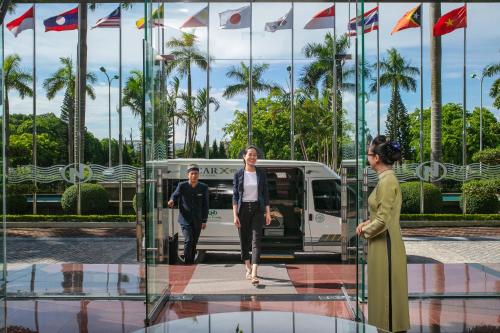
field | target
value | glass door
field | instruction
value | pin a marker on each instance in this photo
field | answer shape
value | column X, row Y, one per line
column 3, row 203
column 155, row 142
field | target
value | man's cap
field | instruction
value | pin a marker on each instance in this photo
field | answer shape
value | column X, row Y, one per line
column 193, row 167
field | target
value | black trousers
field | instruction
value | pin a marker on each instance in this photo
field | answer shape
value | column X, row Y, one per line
column 250, row 232
column 191, row 234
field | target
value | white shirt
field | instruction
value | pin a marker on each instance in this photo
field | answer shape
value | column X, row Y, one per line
column 250, row 187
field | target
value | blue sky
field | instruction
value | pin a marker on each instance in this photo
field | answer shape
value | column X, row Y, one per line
column 230, row 47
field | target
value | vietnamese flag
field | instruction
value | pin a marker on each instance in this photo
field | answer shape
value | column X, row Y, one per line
column 455, row 19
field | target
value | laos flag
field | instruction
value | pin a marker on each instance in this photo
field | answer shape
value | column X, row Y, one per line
column 65, row 21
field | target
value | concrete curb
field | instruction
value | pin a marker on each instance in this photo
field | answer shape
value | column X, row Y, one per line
column 98, row 225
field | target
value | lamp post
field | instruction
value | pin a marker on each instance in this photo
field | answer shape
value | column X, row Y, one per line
column 109, row 110
column 475, row 76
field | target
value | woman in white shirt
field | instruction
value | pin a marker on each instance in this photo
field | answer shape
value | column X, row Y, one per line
column 250, row 205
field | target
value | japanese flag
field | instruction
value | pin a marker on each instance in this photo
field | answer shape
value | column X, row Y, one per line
column 236, row 18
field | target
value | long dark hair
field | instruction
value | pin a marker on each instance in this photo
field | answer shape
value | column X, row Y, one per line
column 388, row 151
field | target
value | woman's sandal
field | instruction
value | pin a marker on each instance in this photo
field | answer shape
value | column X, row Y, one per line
column 248, row 275
column 255, row 280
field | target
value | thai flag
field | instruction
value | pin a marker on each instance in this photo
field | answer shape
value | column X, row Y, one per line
column 371, row 22
column 110, row 21
column 62, row 22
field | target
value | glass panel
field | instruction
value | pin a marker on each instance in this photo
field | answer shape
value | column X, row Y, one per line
column 361, row 195
column 3, row 204
column 156, row 147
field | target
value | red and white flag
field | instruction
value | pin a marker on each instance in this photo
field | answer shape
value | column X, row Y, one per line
column 23, row 22
column 322, row 20
column 284, row 22
column 199, row 19
column 236, row 18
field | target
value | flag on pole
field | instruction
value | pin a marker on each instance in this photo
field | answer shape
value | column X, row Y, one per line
column 235, row 18
column 110, row 21
column 411, row 19
column 323, row 19
column 199, row 19
column 451, row 21
column 371, row 22
column 284, row 22
column 62, row 22
column 155, row 20
column 23, row 22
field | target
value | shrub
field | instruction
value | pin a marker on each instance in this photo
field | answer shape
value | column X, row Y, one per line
column 94, row 199
column 411, row 198
column 489, row 156
column 16, row 201
column 480, row 196
column 71, row 218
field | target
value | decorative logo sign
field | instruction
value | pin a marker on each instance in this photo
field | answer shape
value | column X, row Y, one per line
column 76, row 173
column 431, row 171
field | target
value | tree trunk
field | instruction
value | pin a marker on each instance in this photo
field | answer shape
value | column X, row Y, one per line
column 82, row 77
column 436, row 119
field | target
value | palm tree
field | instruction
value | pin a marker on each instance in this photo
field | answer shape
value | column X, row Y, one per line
column 242, row 76
column 133, row 97
column 436, row 113
column 397, row 73
column 194, row 114
column 18, row 80
column 186, row 55
column 319, row 75
column 64, row 78
column 490, row 71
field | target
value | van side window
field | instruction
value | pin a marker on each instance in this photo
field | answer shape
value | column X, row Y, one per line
column 220, row 193
column 326, row 194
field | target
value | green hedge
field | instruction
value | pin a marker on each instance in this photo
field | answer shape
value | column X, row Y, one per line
column 70, row 218
column 489, row 156
column 450, row 217
column 94, row 199
column 410, row 191
column 481, row 196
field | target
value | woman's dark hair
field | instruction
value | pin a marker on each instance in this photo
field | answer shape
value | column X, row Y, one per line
column 247, row 148
column 388, row 151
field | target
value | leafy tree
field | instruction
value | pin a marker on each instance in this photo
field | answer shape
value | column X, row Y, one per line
column 222, row 150
column 16, row 79
column 452, row 132
column 21, row 147
column 64, row 78
column 397, row 73
column 215, row 150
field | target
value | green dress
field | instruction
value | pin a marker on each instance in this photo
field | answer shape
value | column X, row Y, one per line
column 387, row 271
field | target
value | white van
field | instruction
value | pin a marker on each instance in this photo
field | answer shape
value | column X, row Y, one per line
column 304, row 199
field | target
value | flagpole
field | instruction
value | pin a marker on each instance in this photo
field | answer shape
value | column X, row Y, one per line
column 421, row 139
column 207, row 140
column 335, row 88
column 292, row 91
column 120, row 134
column 464, row 129
column 34, row 132
column 378, row 71
column 250, row 88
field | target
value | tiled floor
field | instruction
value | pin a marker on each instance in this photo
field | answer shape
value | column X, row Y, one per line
column 310, row 281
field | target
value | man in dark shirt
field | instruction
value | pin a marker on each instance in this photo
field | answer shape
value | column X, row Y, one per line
column 192, row 197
